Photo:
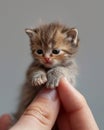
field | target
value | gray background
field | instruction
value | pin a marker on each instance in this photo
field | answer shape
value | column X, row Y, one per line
column 86, row 15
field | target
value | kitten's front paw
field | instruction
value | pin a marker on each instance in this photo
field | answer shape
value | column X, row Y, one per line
column 53, row 78
column 39, row 78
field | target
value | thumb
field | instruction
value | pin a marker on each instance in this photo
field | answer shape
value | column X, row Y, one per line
column 41, row 113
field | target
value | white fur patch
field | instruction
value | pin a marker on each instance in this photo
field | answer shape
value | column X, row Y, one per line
column 50, row 45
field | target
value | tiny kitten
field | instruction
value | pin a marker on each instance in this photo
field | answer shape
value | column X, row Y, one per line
column 53, row 48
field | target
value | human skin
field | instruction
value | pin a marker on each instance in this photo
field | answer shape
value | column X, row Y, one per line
column 64, row 103
column 5, row 122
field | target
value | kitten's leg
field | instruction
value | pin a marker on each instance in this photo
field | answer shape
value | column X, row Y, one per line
column 54, row 75
column 39, row 78
column 36, row 75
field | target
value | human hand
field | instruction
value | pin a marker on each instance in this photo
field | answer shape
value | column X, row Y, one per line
column 40, row 115
column 42, row 112
column 75, row 113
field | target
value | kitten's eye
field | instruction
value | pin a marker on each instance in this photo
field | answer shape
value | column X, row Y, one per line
column 39, row 51
column 56, row 51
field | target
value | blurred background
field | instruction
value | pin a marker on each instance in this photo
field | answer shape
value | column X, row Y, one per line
column 86, row 15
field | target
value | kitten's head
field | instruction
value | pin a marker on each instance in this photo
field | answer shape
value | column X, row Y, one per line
column 53, row 44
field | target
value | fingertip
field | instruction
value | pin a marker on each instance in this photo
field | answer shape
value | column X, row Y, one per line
column 65, row 86
column 71, row 99
column 5, row 122
column 5, row 117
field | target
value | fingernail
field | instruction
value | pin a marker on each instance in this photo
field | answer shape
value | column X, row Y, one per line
column 50, row 94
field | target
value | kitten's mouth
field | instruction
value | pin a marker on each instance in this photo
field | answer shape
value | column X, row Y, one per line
column 48, row 64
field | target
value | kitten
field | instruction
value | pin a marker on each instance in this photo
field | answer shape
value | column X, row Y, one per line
column 53, row 48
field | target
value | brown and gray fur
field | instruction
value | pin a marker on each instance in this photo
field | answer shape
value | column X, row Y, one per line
column 47, row 68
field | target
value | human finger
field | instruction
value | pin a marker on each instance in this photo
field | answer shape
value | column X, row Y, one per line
column 5, row 122
column 76, row 108
column 41, row 113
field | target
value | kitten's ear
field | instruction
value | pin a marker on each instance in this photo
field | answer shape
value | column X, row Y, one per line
column 72, row 36
column 30, row 32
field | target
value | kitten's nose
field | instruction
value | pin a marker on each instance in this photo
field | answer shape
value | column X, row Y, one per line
column 47, row 59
